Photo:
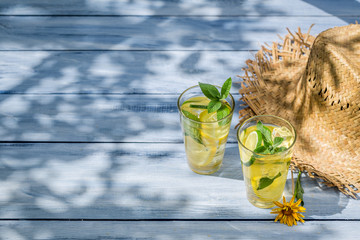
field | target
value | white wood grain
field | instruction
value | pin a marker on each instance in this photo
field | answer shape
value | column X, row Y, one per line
column 152, row 33
column 94, row 118
column 176, row 230
column 184, row 7
column 137, row 181
column 116, row 72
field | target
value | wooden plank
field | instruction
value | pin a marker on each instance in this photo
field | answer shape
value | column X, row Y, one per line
column 184, row 7
column 94, row 118
column 176, row 230
column 152, row 33
column 137, row 181
column 116, row 72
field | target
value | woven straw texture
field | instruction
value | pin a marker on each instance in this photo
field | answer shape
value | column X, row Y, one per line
column 315, row 84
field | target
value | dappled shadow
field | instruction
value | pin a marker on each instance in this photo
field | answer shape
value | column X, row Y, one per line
column 319, row 199
column 92, row 98
column 71, row 81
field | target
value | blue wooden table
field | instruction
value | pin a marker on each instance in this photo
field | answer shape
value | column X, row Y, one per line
column 91, row 146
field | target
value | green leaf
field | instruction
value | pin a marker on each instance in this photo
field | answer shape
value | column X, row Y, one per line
column 250, row 162
column 210, row 91
column 188, row 101
column 192, row 129
column 265, row 181
column 265, row 132
column 213, row 106
column 278, row 141
column 198, row 106
column 259, row 139
column 260, row 149
column 190, row 115
column 280, row 149
column 299, row 191
column 194, row 133
column 222, row 113
column 225, row 89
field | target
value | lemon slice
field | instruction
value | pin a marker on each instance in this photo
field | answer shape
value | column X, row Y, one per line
column 252, row 140
column 198, row 154
column 208, row 117
column 212, row 133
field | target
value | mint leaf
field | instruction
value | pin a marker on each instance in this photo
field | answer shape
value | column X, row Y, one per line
column 225, row 89
column 188, row 101
column 222, row 113
column 193, row 133
column 280, row 149
column 210, row 91
column 213, row 106
column 277, row 141
column 265, row 181
column 260, row 149
column 259, row 138
column 198, row 106
column 265, row 132
column 192, row 129
column 190, row 115
column 250, row 162
column 299, row 191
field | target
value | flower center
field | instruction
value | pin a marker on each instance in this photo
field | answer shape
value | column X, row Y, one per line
column 287, row 211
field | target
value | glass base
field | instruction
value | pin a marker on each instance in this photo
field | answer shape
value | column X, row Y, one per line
column 206, row 172
column 262, row 204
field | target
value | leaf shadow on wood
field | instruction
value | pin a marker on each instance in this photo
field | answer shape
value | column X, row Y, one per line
column 68, row 100
column 319, row 199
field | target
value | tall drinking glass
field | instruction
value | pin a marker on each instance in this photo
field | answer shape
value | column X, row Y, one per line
column 204, row 139
column 265, row 174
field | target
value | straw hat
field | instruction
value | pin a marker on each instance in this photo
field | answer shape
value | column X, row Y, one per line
column 315, row 84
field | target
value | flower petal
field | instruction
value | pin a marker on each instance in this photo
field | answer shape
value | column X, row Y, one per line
column 295, row 216
column 278, row 204
column 298, row 202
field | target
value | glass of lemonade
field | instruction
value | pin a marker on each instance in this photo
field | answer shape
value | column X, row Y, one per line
column 266, row 145
column 204, row 135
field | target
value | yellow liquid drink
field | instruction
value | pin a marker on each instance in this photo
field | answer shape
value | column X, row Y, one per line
column 204, row 135
column 265, row 166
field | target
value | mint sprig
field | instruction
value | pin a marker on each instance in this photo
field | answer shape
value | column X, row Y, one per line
column 216, row 103
column 271, row 146
column 299, row 191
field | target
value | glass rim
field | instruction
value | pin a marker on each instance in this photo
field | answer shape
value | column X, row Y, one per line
column 197, row 86
column 261, row 154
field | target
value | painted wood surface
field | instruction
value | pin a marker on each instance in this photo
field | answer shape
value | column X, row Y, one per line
column 184, row 7
column 92, row 86
column 92, row 118
column 116, row 72
column 152, row 33
column 176, row 230
column 137, row 181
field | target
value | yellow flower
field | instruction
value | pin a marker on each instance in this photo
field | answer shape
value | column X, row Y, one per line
column 289, row 212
